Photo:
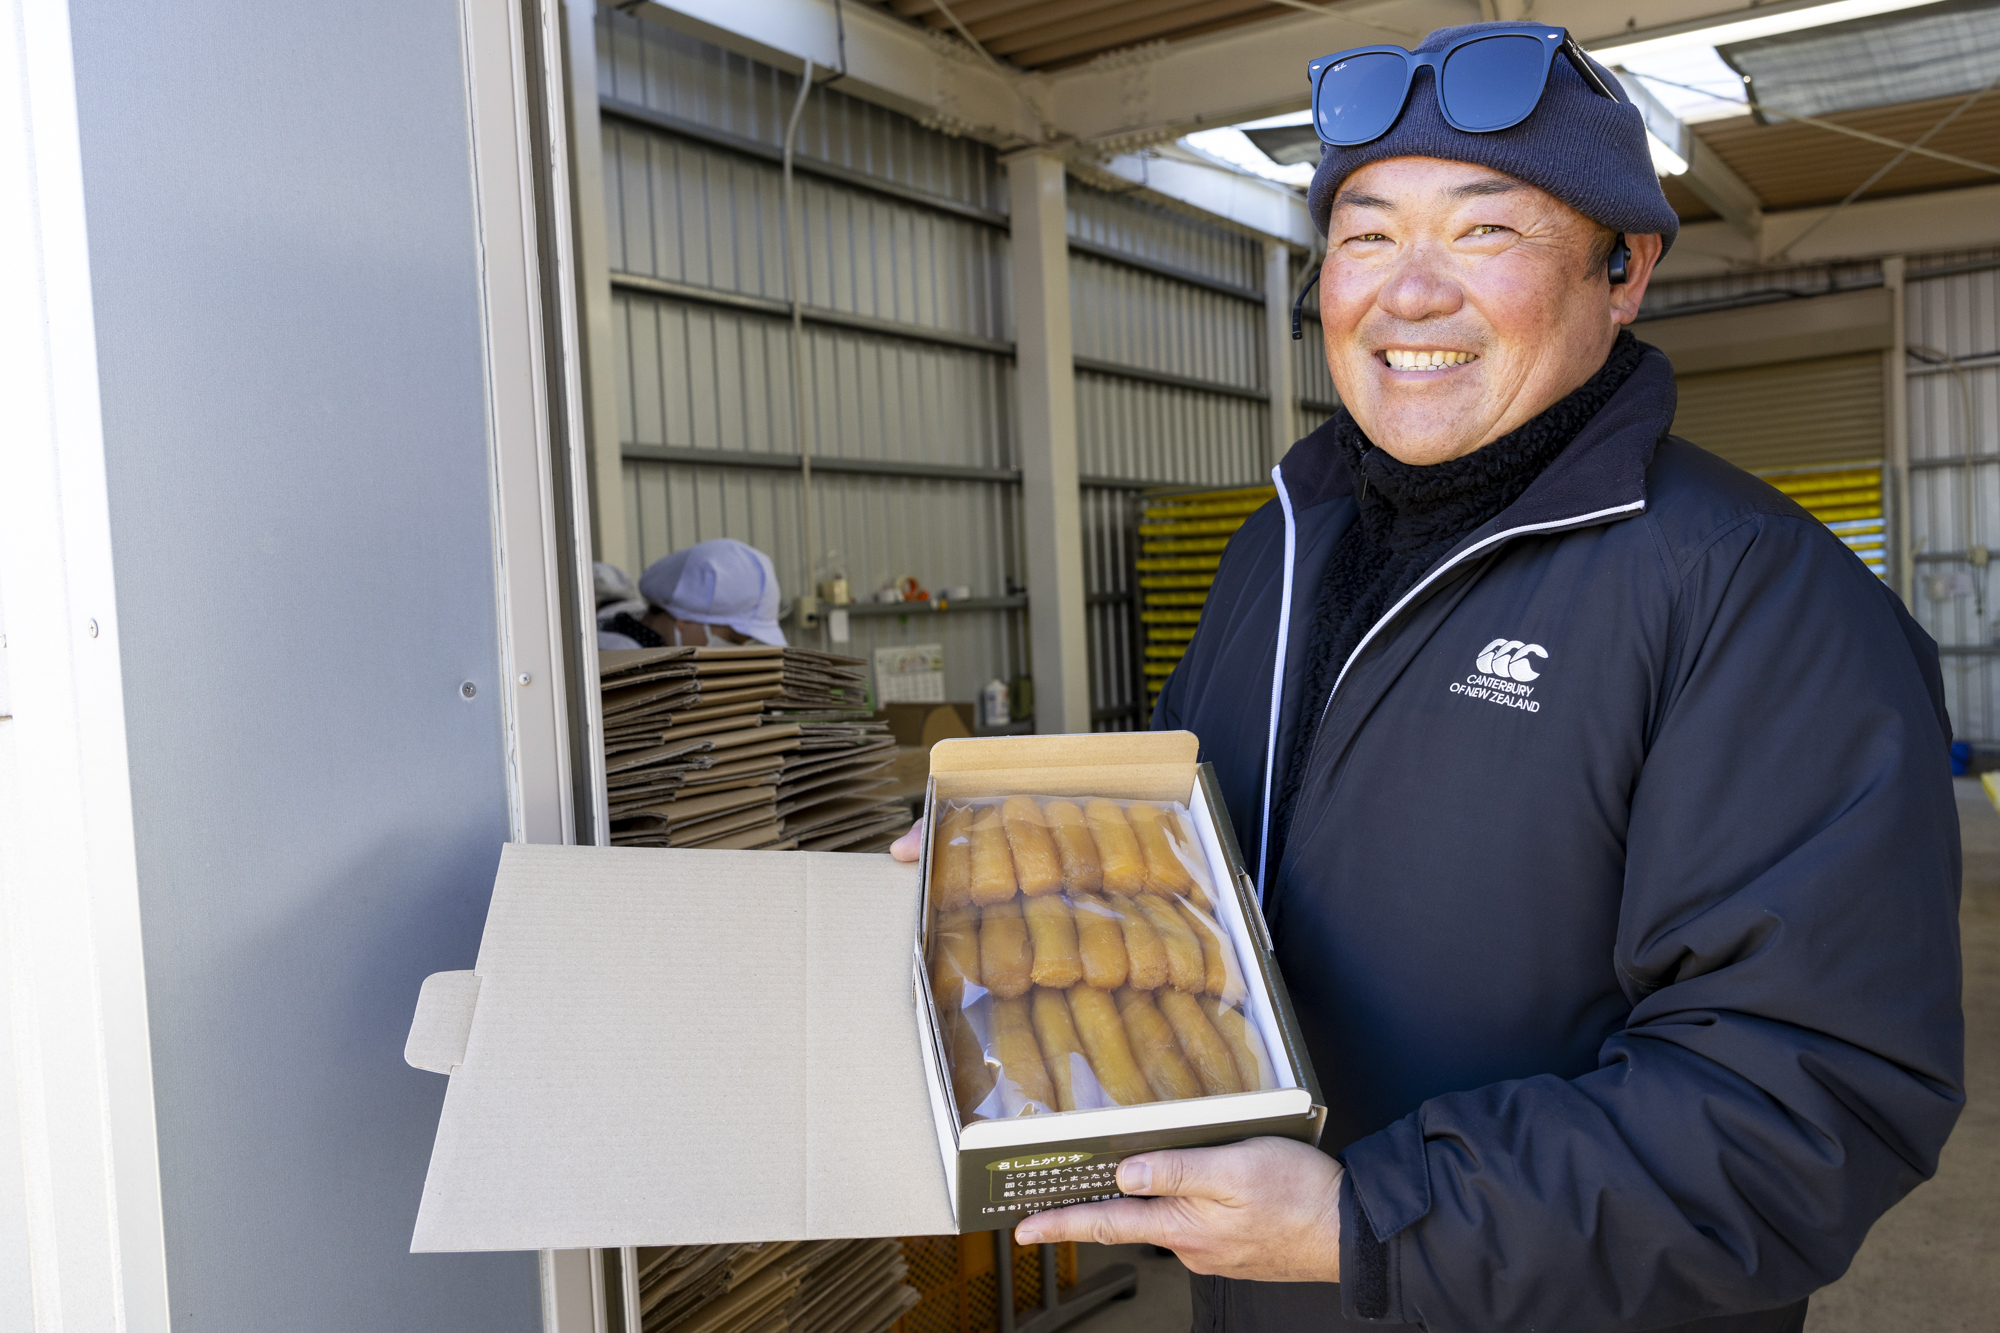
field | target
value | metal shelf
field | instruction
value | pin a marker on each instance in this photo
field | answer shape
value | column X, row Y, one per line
column 929, row 608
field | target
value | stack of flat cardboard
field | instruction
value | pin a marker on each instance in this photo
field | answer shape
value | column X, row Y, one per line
column 768, row 748
column 824, row 790
column 690, row 760
column 828, row 1286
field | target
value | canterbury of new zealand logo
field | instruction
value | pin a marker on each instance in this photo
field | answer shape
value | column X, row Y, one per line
column 1508, row 659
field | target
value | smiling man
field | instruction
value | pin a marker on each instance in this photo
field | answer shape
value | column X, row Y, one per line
column 1598, row 797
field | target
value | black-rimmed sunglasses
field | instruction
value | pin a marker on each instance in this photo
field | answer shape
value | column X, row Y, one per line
column 1487, row 81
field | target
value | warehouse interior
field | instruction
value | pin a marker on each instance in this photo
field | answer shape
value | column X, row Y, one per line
column 974, row 316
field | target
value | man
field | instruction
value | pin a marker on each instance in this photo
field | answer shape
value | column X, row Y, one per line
column 1599, row 798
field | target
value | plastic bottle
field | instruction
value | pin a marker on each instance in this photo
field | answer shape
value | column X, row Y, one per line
column 996, row 709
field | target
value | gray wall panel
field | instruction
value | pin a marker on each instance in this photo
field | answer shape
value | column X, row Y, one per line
column 696, row 376
column 286, row 295
column 1152, row 322
column 689, row 212
column 1167, row 436
column 702, row 378
column 1165, row 236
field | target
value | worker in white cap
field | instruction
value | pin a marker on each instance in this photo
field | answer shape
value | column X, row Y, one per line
column 714, row 592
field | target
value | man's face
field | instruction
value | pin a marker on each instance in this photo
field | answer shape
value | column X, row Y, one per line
column 1460, row 303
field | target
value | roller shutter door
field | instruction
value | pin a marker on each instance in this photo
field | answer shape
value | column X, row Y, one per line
column 1812, row 428
column 1786, row 416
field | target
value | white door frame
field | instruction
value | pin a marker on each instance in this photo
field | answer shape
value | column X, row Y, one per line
column 515, row 85
column 77, row 1082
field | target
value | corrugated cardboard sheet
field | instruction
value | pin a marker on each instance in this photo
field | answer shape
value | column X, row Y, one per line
column 688, row 1047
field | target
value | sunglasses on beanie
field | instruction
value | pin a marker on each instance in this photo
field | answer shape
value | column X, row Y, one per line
column 1487, row 81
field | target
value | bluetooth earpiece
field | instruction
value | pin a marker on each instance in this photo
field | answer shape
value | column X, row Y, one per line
column 1621, row 256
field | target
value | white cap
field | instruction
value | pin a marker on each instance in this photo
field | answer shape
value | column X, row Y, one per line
column 719, row 582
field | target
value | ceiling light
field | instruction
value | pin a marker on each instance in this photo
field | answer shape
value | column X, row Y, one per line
column 1617, row 49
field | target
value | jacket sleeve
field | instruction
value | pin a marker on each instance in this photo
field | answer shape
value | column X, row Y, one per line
column 1788, row 941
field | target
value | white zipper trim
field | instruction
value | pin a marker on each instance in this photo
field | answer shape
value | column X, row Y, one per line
column 1452, row 563
column 1277, row 675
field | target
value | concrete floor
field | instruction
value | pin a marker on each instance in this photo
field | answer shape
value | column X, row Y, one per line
column 1932, row 1265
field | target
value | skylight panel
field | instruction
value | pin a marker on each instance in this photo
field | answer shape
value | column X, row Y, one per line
column 1284, row 148
column 1935, row 51
column 1692, row 82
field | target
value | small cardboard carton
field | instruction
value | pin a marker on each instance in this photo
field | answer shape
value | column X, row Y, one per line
column 662, row 1047
column 1000, row 1170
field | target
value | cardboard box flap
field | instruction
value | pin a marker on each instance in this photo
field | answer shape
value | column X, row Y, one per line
column 684, row 1047
column 1135, row 765
column 443, row 1021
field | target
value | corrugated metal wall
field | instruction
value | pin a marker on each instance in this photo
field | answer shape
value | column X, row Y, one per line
column 907, row 361
column 1168, row 315
column 1953, row 331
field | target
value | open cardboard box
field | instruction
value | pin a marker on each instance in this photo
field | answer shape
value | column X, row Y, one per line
column 663, row 1047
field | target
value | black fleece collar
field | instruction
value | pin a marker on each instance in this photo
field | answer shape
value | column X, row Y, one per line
column 1603, row 469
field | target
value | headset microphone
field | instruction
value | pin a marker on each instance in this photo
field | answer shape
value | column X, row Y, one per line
column 1298, row 332
column 1621, row 255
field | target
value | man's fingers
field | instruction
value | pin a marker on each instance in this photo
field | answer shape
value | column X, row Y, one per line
column 1119, row 1222
column 911, row 845
column 1182, row 1173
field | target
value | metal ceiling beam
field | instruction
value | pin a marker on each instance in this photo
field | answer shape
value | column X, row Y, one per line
column 1149, row 94
column 940, row 82
column 1942, row 220
column 870, row 55
column 1708, row 177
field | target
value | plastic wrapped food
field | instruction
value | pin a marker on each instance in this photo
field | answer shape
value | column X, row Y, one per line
column 1079, row 960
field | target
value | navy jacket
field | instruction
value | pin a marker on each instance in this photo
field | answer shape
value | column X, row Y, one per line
column 1620, row 904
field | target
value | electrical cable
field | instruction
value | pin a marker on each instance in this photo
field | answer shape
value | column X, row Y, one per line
column 1887, row 167
column 795, row 259
column 1753, row 104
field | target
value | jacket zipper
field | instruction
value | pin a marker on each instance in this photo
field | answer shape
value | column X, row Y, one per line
column 1277, row 673
column 1319, row 731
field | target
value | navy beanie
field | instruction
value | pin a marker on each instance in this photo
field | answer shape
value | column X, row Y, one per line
column 1587, row 152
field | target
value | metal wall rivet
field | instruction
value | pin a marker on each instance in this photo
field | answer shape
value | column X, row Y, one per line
column 93, row 629
column 468, row 689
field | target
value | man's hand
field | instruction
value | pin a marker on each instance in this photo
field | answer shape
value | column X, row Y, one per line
column 1267, row 1210
column 911, row 845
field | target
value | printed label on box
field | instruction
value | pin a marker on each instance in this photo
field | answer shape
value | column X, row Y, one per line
column 1023, row 1184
